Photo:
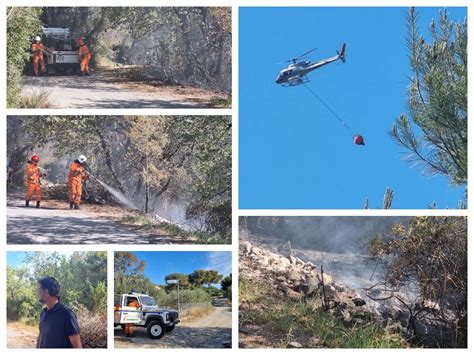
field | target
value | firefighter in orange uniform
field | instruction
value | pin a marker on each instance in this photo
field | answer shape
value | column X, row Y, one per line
column 38, row 56
column 129, row 326
column 33, row 181
column 77, row 173
column 84, row 57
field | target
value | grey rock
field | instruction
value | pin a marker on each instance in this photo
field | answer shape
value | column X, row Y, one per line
column 294, row 344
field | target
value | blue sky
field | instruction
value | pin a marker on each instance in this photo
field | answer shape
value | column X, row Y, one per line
column 292, row 152
column 162, row 263
column 17, row 258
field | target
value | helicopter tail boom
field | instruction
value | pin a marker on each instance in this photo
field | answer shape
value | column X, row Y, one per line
column 342, row 54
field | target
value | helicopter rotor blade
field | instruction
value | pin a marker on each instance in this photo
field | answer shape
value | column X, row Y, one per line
column 302, row 56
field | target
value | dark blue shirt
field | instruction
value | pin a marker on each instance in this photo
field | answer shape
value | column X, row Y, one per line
column 56, row 326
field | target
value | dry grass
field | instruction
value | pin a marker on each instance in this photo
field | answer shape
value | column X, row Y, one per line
column 281, row 320
column 93, row 328
column 38, row 99
column 198, row 313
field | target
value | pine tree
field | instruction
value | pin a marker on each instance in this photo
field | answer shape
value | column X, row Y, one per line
column 434, row 130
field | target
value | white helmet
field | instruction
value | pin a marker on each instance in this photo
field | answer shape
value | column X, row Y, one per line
column 82, row 159
column 38, row 39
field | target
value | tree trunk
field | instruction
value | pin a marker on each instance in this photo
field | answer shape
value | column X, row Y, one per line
column 147, row 186
column 108, row 159
column 147, row 196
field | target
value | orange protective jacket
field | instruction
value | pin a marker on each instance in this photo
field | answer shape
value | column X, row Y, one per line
column 129, row 326
column 83, row 51
column 33, row 174
column 133, row 304
column 77, row 173
column 37, row 49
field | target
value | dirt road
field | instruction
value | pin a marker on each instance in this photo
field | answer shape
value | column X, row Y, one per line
column 101, row 90
column 55, row 223
column 211, row 331
column 21, row 336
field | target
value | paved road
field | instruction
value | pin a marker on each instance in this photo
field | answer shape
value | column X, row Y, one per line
column 97, row 91
column 65, row 226
column 211, row 331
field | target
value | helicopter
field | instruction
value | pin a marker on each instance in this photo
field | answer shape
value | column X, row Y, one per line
column 297, row 72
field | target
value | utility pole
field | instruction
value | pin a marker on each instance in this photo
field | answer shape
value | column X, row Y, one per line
column 178, row 300
column 176, row 282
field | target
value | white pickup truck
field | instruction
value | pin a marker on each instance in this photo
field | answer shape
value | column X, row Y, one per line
column 60, row 51
column 148, row 315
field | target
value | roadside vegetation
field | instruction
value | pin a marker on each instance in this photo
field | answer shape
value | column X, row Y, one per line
column 22, row 23
column 148, row 224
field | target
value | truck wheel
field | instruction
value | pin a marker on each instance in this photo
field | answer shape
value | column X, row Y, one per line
column 170, row 328
column 155, row 329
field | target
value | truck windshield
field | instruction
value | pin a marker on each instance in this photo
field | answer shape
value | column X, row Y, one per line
column 148, row 301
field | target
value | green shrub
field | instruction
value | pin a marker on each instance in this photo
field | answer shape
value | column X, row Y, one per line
column 23, row 23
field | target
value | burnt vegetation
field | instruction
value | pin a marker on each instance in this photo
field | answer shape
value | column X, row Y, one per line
column 429, row 256
column 353, row 282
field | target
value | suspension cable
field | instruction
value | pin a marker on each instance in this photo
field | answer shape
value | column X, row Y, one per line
column 343, row 124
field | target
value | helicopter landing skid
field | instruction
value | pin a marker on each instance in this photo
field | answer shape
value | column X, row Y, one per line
column 300, row 81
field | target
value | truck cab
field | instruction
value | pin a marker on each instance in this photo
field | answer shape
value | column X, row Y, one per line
column 148, row 314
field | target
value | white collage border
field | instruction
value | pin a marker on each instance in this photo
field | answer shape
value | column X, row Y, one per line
column 235, row 4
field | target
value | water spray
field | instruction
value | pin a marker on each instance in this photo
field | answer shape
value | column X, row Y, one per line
column 119, row 196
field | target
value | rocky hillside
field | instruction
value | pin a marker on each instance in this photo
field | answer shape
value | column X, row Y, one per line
column 291, row 283
column 299, row 280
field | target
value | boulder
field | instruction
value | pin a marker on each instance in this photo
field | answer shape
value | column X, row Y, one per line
column 293, row 275
column 262, row 260
column 247, row 247
column 280, row 271
column 284, row 261
column 299, row 262
column 294, row 344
